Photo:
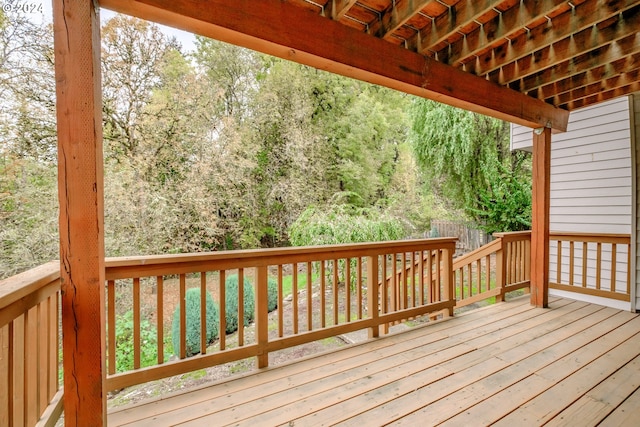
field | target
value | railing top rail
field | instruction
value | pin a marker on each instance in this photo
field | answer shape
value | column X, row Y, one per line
column 157, row 265
column 591, row 237
column 338, row 251
column 17, row 287
column 515, row 235
column 479, row 253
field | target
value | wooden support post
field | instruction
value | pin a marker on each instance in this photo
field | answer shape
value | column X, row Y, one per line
column 540, row 217
column 262, row 315
column 80, row 191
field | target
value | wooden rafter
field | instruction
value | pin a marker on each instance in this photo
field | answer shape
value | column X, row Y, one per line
column 290, row 32
column 571, row 47
column 458, row 16
column 399, row 14
column 504, row 26
column 565, row 25
column 589, row 74
column 586, row 91
column 603, row 96
column 339, row 8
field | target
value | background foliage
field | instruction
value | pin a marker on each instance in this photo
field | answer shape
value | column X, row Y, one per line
column 224, row 148
column 469, row 162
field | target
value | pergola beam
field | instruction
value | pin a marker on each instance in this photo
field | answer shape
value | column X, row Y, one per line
column 280, row 29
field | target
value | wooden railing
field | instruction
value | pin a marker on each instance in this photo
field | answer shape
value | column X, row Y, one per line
column 346, row 298
column 592, row 264
column 493, row 270
column 30, row 347
column 490, row 271
column 362, row 286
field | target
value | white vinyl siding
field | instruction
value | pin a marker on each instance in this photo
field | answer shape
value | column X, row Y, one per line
column 591, row 183
column 591, row 171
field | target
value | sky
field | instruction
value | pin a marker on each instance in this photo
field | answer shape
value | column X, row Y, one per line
column 41, row 11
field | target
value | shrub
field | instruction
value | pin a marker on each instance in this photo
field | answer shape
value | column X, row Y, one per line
column 124, row 343
column 231, row 303
column 192, row 305
column 272, row 294
column 343, row 224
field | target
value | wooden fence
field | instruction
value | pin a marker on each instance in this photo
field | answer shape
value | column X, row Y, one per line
column 469, row 237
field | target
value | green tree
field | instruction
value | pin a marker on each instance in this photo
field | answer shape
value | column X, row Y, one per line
column 27, row 88
column 132, row 53
column 364, row 126
column 233, row 69
column 28, row 214
column 467, row 160
column 291, row 157
column 28, row 190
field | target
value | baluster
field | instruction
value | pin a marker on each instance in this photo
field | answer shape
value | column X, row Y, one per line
column 347, row 289
column 372, row 294
column 598, row 264
column 309, row 298
column 323, row 297
column 160, row 317
column 222, row 291
column 203, row 313
column 335, row 291
column 280, row 298
column 262, row 315
column 240, row 307
column 359, row 285
column 183, row 317
column 136, row 323
column 614, row 265
column 111, row 326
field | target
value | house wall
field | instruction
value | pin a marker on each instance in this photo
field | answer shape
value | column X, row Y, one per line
column 634, row 104
column 591, row 183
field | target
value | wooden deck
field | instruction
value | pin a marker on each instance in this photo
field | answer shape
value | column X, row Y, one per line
column 508, row 364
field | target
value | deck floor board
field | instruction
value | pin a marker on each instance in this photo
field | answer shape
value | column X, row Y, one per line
column 510, row 364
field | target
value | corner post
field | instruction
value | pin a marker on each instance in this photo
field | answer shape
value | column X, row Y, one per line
column 540, row 201
column 76, row 27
